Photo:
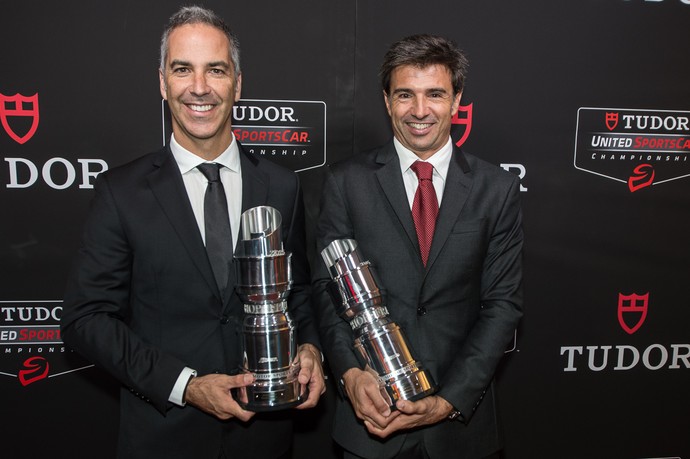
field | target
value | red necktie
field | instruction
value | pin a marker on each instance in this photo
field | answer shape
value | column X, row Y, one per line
column 424, row 207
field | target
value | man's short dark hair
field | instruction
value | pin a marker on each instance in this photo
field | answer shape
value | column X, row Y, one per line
column 199, row 15
column 422, row 51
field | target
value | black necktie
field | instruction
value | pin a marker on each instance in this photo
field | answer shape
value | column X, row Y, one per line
column 217, row 224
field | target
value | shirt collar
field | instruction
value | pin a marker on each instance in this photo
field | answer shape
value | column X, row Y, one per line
column 440, row 160
column 187, row 161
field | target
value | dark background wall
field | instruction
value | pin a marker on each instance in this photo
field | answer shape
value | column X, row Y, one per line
column 588, row 378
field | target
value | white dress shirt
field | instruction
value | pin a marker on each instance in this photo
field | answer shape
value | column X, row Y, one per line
column 440, row 160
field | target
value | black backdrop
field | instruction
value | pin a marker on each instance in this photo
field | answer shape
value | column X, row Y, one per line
column 600, row 366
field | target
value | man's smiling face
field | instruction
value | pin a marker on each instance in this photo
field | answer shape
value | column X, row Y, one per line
column 201, row 87
column 421, row 103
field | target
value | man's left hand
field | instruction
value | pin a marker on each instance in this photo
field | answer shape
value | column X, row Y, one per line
column 311, row 374
column 427, row 411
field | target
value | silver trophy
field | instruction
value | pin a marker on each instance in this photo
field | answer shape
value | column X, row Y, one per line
column 379, row 341
column 264, row 279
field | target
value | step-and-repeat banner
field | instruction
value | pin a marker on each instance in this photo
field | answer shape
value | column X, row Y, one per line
column 587, row 101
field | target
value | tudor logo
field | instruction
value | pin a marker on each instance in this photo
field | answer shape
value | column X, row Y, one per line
column 7, row 114
column 466, row 120
column 632, row 311
column 611, row 120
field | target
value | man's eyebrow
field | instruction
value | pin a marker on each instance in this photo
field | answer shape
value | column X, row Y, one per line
column 222, row 64
column 181, row 63
column 178, row 62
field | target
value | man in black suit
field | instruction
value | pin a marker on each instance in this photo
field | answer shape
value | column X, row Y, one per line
column 145, row 301
column 454, row 287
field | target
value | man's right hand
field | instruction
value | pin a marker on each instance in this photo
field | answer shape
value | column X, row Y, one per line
column 365, row 395
column 212, row 394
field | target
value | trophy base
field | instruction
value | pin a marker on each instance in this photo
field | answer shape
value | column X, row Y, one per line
column 412, row 387
column 267, row 395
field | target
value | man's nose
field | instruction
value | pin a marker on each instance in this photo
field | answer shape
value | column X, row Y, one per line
column 200, row 85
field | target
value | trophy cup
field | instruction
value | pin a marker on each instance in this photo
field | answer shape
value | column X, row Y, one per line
column 379, row 341
column 264, row 279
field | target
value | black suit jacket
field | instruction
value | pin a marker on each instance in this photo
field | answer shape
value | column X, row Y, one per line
column 459, row 312
column 142, row 303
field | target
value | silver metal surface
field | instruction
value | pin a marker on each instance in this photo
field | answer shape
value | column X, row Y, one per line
column 378, row 340
column 269, row 347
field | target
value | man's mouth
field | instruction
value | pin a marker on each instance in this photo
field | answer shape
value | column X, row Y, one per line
column 420, row 126
column 200, row 108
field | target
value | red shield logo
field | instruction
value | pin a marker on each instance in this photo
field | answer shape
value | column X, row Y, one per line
column 467, row 121
column 632, row 311
column 6, row 111
column 611, row 120
column 35, row 369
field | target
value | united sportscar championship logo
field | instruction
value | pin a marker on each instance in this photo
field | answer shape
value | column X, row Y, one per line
column 640, row 148
column 19, row 116
column 31, row 348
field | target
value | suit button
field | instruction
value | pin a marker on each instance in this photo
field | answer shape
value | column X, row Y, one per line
column 421, row 311
column 224, row 320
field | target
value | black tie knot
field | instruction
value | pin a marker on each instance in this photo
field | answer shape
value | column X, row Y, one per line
column 211, row 171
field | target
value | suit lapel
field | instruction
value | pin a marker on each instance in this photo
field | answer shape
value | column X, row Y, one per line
column 455, row 193
column 167, row 185
column 390, row 180
column 255, row 185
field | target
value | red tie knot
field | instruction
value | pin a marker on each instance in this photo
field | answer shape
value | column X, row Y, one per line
column 423, row 170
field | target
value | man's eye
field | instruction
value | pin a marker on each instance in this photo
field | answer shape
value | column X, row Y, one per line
column 180, row 70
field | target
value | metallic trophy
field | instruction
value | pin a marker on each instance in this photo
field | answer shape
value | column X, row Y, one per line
column 379, row 341
column 264, row 279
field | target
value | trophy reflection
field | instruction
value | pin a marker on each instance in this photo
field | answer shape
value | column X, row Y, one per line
column 379, row 341
column 269, row 348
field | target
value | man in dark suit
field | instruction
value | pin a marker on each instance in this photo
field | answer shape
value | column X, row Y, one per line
column 453, row 283
column 146, row 302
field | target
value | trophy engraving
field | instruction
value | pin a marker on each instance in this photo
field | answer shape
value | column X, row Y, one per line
column 379, row 341
column 268, row 333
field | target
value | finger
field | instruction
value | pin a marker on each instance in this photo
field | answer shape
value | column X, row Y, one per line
column 306, row 370
column 240, row 380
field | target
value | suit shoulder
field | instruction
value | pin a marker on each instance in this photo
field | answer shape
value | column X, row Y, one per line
column 493, row 172
column 136, row 168
column 358, row 163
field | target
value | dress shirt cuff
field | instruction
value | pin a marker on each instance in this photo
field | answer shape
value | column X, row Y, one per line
column 177, row 394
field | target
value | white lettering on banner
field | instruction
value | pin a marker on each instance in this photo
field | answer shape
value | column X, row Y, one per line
column 522, row 171
column 66, row 170
column 30, row 313
column 669, row 123
column 271, row 113
column 654, row 357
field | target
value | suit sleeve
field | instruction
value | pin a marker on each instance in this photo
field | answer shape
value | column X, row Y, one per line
column 474, row 366
column 336, row 334
column 96, row 307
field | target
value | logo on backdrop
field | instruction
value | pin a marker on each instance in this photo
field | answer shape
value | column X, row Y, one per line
column 463, row 117
column 19, row 116
column 639, row 148
column 30, row 343
column 632, row 311
column 291, row 133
